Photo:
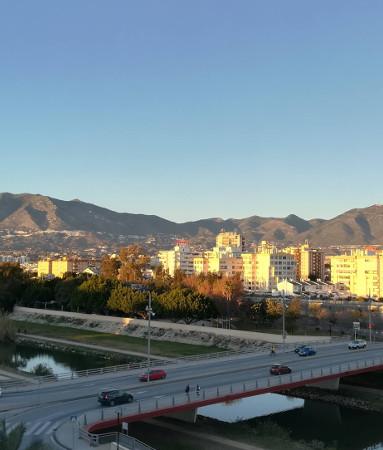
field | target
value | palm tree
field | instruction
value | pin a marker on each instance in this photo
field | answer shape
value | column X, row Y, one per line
column 12, row 440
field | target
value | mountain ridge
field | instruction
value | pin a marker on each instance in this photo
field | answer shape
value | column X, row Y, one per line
column 36, row 213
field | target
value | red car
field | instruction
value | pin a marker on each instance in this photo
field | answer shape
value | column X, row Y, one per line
column 154, row 374
column 279, row 369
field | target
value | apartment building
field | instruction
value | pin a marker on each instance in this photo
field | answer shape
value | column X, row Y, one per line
column 310, row 261
column 219, row 260
column 180, row 258
column 230, row 239
column 271, row 268
column 268, row 266
column 59, row 267
column 361, row 272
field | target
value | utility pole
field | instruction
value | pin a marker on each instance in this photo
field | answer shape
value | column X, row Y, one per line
column 369, row 316
column 149, row 312
column 283, row 322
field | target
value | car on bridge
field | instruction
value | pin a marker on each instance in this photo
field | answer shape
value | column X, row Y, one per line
column 299, row 348
column 307, row 351
column 279, row 369
column 111, row 397
column 356, row 344
column 154, row 374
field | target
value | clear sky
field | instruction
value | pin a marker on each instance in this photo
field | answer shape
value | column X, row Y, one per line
column 194, row 109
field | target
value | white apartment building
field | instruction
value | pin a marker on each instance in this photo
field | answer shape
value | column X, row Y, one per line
column 180, row 258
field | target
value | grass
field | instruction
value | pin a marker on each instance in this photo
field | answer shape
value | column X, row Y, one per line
column 114, row 341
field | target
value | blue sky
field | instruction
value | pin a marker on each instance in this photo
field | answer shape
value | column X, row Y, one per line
column 191, row 109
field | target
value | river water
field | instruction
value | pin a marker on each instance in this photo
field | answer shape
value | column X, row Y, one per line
column 336, row 426
column 25, row 357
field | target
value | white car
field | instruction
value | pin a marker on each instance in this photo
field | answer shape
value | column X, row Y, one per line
column 357, row 343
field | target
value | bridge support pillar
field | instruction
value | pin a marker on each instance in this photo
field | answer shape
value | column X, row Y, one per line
column 332, row 385
column 189, row 416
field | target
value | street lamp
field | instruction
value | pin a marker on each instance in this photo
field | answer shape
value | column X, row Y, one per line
column 369, row 316
column 283, row 322
column 118, row 430
column 149, row 312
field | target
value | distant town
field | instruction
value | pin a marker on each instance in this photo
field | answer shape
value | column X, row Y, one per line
column 263, row 268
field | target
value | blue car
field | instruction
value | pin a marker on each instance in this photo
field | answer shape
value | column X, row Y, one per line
column 307, row 351
column 299, row 348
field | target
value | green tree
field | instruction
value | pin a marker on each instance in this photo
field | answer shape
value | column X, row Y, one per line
column 91, row 296
column 13, row 439
column 66, row 288
column 126, row 300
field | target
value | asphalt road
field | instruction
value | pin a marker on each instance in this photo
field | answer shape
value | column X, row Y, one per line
column 43, row 408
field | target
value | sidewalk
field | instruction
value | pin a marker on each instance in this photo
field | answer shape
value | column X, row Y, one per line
column 66, row 437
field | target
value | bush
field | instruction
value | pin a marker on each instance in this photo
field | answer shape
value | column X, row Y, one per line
column 7, row 329
column 42, row 370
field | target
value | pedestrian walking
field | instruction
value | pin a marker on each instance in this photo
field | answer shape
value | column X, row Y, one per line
column 187, row 389
column 198, row 389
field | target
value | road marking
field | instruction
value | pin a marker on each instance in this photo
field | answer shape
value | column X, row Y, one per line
column 160, row 396
column 53, row 427
column 33, row 428
column 10, row 427
column 45, row 425
column 141, row 392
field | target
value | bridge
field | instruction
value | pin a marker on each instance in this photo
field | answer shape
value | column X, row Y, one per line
column 321, row 371
column 226, row 377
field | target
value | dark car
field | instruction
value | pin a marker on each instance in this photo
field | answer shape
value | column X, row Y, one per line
column 307, row 351
column 299, row 348
column 111, row 397
column 154, row 374
column 279, row 369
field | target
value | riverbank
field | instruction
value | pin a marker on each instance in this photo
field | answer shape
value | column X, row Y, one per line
column 355, row 397
column 111, row 342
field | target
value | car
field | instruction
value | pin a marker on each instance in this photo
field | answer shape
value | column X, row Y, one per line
column 111, row 397
column 299, row 348
column 279, row 369
column 154, row 374
column 307, row 351
column 356, row 344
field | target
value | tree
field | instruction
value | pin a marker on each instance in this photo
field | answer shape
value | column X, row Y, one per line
column 13, row 439
column 92, row 295
column 127, row 300
column 110, row 267
column 133, row 264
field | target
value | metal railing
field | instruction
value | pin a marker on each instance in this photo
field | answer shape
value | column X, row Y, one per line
column 66, row 376
column 129, row 442
column 218, row 393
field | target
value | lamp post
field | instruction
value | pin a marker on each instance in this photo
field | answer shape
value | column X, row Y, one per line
column 118, row 430
column 283, row 322
column 149, row 312
column 369, row 317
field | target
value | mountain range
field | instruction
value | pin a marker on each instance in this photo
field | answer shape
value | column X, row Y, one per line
column 49, row 224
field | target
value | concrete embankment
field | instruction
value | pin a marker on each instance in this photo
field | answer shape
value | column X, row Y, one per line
column 161, row 330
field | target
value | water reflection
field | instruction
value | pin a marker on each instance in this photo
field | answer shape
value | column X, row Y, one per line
column 336, row 426
column 251, row 407
column 25, row 357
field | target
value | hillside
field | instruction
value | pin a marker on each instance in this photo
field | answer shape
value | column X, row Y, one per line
column 48, row 224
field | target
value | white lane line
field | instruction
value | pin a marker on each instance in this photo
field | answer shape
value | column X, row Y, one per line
column 141, row 392
column 40, row 430
column 10, row 427
column 160, row 396
column 33, row 428
column 53, row 427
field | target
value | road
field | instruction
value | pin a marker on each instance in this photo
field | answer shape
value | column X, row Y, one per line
column 43, row 408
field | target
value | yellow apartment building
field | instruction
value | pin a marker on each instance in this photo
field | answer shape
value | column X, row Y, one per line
column 361, row 272
column 59, row 267
column 248, row 272
column 230, row 239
